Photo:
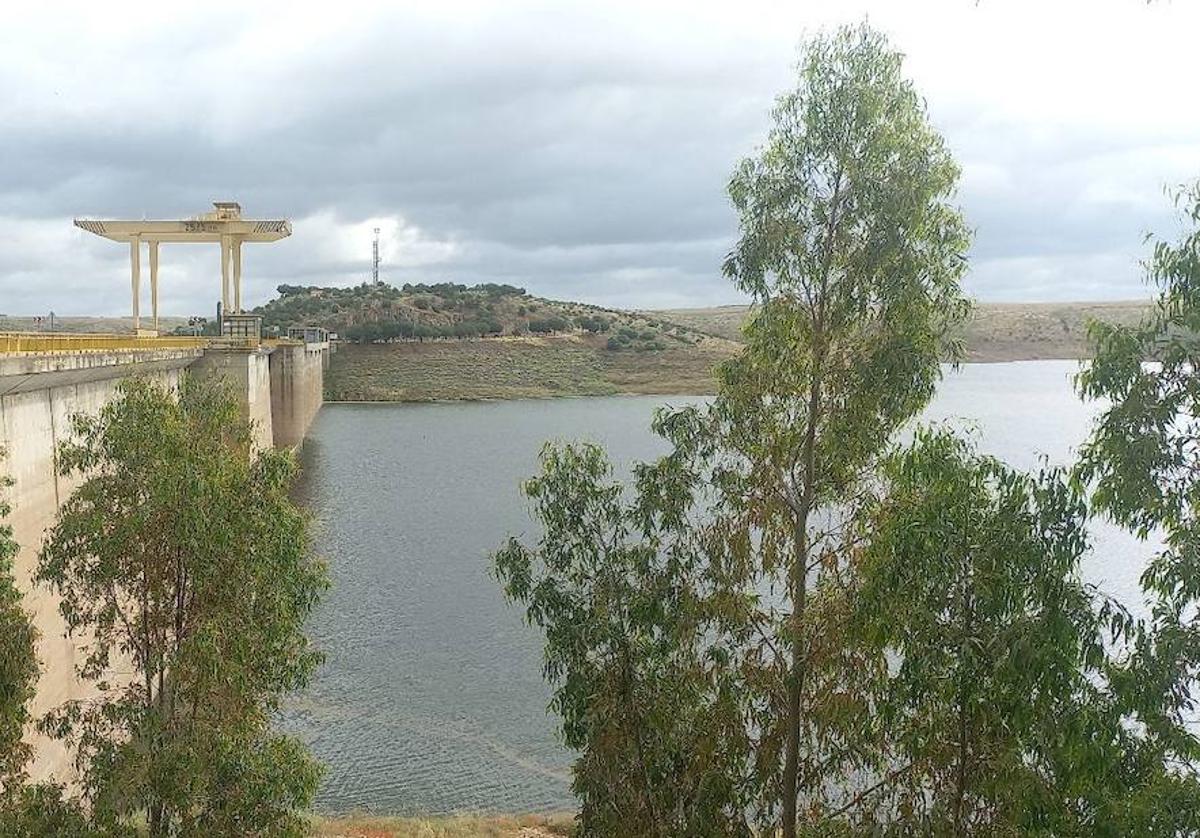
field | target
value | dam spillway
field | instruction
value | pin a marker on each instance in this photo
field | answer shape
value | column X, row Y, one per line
column 46, row 379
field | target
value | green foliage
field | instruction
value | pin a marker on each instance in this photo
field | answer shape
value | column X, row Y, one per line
column 545, row 325
column 42, row 810
column 593, row 324
column 786, row 626
column 853, row 252
column 992, row 700
column 26, row 811
column 182, row 556
column 618, row 588
column 1140, row 462
column 381, row 313
column 18, row 665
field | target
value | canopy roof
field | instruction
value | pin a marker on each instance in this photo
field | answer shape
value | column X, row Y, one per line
column 225, row 220
column 224, row 225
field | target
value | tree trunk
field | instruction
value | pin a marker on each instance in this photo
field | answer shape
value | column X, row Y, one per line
column 791, row 766
column 964, row 686
column 798, row 582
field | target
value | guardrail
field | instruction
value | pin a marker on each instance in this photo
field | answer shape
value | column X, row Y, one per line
column 40, row 342
column 34, row 342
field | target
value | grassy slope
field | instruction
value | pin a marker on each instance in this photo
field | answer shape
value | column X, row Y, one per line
column 533, row 826
column 580, row 365
column 996, row 332
column 519, row 367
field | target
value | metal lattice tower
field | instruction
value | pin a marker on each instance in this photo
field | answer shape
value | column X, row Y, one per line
column 375, row 269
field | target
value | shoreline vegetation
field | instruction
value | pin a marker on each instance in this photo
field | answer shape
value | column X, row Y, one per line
column 576, row 365
column 449, row 826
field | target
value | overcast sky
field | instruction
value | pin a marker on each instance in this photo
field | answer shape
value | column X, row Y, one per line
column 580, row 150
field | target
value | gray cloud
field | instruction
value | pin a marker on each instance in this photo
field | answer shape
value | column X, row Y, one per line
column 581, row 152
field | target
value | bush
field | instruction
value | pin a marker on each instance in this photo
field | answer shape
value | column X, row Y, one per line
column 549, row 324
column 592, row 324
column 43, row 810
column 615, row 344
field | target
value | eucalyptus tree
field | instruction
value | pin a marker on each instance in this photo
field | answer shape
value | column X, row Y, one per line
column 995, row 717
column 853, row 250
column 183, row 560
column 1141, row 463
column 634, row 621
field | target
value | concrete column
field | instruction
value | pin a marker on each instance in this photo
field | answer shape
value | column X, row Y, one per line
column 237, row 275
column 225, row 274
column 135, row 277
column 154, row 282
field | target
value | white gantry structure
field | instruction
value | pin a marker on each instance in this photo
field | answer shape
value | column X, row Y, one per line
column 224, row 224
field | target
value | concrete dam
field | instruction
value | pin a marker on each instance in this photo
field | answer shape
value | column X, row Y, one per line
column 46, row 379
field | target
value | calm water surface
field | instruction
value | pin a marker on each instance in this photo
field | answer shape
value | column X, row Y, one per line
column 431, row 699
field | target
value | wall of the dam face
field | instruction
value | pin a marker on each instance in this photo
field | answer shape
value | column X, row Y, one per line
column 297, row 391
column 248, row 374
column 39, row 394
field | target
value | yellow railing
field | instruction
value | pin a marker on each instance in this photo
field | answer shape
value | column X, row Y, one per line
column 29, row 342
column 33, row 342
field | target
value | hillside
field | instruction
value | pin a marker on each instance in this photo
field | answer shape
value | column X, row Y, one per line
column 382, row 313
column 450, row 341
column 996, row 331
column 519, row 367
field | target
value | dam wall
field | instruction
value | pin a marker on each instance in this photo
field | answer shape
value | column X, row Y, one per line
column 41, row 391
column 297, row 390
column 38, row 395
column 248, row 373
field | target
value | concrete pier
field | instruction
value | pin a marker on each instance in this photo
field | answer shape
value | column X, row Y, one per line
column 280, row 388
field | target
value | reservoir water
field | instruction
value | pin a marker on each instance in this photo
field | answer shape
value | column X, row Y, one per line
column 431, row 699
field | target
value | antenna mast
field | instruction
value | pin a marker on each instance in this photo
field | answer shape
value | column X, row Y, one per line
column 375, row 270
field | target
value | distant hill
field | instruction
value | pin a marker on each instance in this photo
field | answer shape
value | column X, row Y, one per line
column 93, row 325
column 380, row 313
column 995, row 332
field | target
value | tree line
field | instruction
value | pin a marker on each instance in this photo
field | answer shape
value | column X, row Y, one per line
column 806, row 619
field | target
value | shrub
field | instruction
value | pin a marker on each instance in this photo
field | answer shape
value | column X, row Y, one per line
column 549, row 324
